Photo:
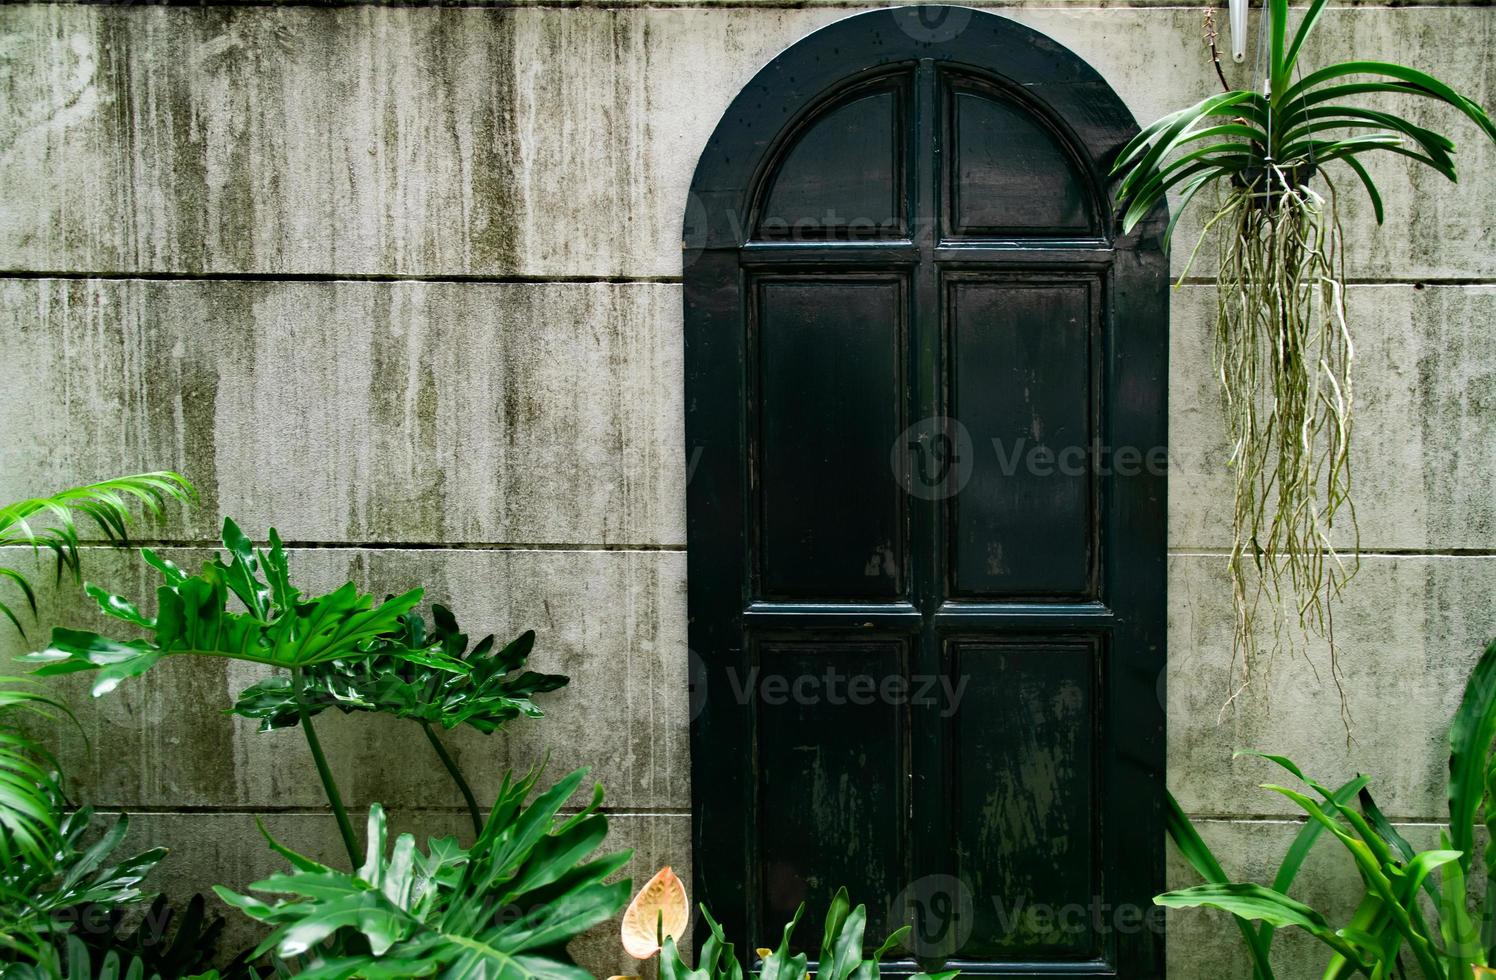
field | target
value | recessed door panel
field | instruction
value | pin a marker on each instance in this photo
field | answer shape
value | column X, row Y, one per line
column 832, row 803
column 1022, row 363
column 829, row 409
column 1026, row 826
column 843, row 177
column 1009, row 173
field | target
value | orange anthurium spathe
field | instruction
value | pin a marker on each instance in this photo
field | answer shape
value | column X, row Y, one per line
column 659, row 910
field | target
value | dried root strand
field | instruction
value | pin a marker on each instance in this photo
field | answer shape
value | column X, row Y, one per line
column 1284, row 355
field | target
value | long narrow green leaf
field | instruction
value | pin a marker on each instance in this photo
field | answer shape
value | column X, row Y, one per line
column 1252, row 901
column 1311, row 16
column 1366, row 182
column 1169, row 135
column 107, row 504
column 1139, row 175
column 1277, row 28
column 1370, row 863
column 1411, row 76
column 1156, row 191
column 1470, row 736
column 1194, row 849
column 1187, row 195
column 1298, row 851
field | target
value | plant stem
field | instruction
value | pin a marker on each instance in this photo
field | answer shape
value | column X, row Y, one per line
column 324, row 771
column 456, row 773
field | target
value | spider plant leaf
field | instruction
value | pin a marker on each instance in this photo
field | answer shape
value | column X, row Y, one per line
column 1417, row 79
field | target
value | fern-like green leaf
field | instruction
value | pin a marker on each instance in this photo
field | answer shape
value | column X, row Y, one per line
column 51, row 522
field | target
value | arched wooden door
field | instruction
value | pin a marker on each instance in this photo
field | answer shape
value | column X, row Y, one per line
column 925, row 413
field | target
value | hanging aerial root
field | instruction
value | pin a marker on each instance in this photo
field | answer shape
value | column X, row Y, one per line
column 1284, row 355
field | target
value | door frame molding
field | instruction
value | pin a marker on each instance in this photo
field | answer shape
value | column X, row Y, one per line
column 718, row 222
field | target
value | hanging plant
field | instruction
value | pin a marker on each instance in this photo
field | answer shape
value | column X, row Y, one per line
column 1283, row 348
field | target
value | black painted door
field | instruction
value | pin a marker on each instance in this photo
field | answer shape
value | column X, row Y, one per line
column 925, row 418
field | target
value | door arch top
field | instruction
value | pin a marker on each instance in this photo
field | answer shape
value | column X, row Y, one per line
column 1061, row 91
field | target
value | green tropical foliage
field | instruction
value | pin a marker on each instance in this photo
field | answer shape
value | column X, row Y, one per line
column 339, row 650
column 40, row 900
column 491, row 692
column 1283, row 344
column 278, row 627
column 503, row 909
column 1414, row 904
column 30, row 825
column 1262, row 142
column 51, row 522
column 171, row 941
column 79, row 962
column 842, row 956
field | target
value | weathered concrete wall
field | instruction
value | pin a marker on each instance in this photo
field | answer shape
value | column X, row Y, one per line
column 404, row 282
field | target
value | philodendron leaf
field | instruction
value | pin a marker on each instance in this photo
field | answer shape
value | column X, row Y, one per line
column 516, row 897
column 277, row 626
column 431, row 677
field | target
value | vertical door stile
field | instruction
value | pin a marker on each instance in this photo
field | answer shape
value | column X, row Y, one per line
column 929, row 824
